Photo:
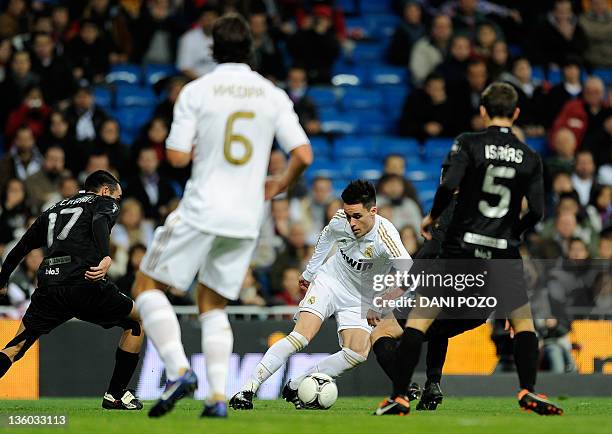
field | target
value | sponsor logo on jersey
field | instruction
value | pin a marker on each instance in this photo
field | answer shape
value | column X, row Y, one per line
column 357, row 264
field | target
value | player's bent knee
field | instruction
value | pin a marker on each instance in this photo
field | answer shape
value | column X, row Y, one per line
column 20, row 344
column 143, row 283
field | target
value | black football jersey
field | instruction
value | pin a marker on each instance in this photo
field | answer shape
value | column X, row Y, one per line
column 65, row 231
column 494, row 170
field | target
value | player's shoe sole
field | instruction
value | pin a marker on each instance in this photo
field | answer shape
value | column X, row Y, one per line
column 432, row 397
column 539, row 404
column 183, row 386
column 398, row 406
column 218, row 410
column 127, row 402
column 243, row 400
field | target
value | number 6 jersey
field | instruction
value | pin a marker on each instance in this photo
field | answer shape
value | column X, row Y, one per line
column 229, row 118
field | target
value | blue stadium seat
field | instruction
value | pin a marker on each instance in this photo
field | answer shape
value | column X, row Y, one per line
column 537, row 73
column 437, row 148
column 370, row 169
column 376, row 7
column 323, row 96
column 383, row 25
column 365, row 52
column 348, row 75
column 338, row 123
column 407, row 147
column 360, row 26
column 538, row 144
column 394, row 97
column 554, row 76
column 348, row 6
column 374, row 123
column 131, row 119
column 354, row 147
column 135, row 96
column 320, row 147
column 103, row 96
column 154, row 73
column 387, row 75
column 357, row 98
column 326, row 168
column 124, row 73
column 604, row 73
column 339, row 184
column 422, row 171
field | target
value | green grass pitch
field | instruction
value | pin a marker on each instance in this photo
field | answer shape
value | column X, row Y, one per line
column 349, row 415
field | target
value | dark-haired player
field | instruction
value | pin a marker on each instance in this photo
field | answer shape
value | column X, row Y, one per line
column 225, row 121
column 72, row 281
column 335, row 287
column 493, row 171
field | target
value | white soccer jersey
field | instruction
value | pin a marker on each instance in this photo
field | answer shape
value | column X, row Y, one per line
column 230, row 117
column 348, row 265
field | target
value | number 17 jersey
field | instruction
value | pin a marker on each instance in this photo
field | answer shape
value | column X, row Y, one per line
column 230, row 118
column 496, row 171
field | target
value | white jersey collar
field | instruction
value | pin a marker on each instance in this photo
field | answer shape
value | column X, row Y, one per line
column 233, row 67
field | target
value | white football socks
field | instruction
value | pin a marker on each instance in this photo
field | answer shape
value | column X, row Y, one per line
column 333, row 365
column 162, row 327
column 275, row 357
column 217, row 343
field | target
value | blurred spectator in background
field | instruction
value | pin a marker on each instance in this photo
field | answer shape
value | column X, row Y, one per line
column 42, row 185
column 90, row 53
column 295, row 255
column 19, row 80
column 53, row 70
column 280, row 211
column 564, row 146
column 453, row 69
column 584, row 115
column 60, row 18
column 497, row 64
column 249, row 293
column 599, row 142
column 33, row 113
column 405, row 210
column 604, row 250
column 152, row 190
column 601, row 205
column 561, row 182
column 530, row 94
column 109, row 142
column 153, row 135
column 14, row 20
column 291, row 294
column 395, row 164
column 427, row 112
column 583, row 177
column 315, row 46
column 58, row 133
column 22, row 160
column 468, row 14
column 267, row 58
column 429, row 51
column 466, row 97
column 131, row 228
column 68, row 187
column 114, row 26
column 194, row 55
column 6, row 52
column 597, row 26
column 135, row 255
column 84, row 116
column 165, row 109
column 156, row 33
column 95, row 161
column 305, row 108
column 560, row 35
column 569, row 89
column 410, row 239
column 23, row 283
column 13, row 211
column 310, row 210
column 410, row 29
column 486, row 37
column 556, row 242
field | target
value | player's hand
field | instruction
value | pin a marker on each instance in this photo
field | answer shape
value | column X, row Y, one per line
column 98, row 273
column 3, row 291
column 426, row 227
column 273, row 187
column 508, row 327
column 373, row 317
column 304, row 284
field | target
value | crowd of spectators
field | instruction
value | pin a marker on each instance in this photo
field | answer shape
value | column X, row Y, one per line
column 54, row 52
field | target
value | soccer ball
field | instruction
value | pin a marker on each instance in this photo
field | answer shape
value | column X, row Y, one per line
column 318, row 391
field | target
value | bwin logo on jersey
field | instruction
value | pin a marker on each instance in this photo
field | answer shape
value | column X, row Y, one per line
column 358, row 265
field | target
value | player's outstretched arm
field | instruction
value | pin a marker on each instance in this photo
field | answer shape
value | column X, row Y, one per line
column 31, row 240
column 324, row 244
column 300, row 158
